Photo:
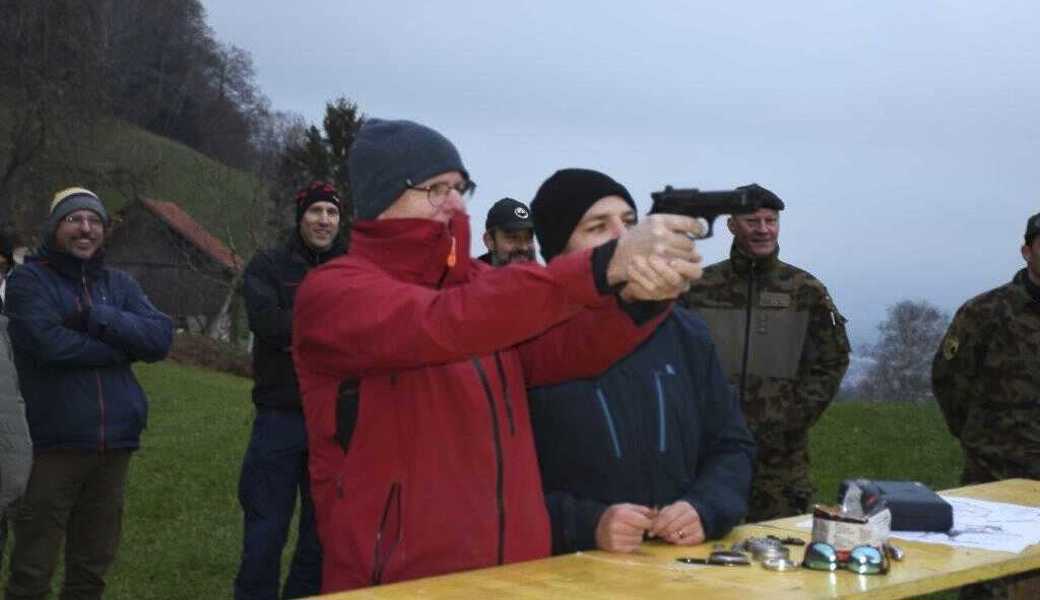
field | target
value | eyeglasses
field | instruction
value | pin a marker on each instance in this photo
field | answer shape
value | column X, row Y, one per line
column 865, row 560
column 438, row 192
column 90, row 221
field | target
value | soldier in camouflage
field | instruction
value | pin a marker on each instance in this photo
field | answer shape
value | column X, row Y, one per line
column 783, row 346
column 986, row 378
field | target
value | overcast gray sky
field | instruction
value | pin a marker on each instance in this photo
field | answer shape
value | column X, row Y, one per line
column 903, row 136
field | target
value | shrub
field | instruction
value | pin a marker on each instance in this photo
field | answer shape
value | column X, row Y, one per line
column 203, row 351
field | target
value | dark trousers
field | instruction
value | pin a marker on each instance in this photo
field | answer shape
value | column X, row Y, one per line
column 76, row 496
column 274, row 473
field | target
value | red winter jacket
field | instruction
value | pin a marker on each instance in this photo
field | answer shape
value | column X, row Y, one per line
column 428, row 465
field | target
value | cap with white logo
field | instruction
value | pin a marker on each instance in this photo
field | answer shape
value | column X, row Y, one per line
column 509, row 215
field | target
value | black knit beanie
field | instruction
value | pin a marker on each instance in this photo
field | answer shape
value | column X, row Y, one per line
column 316, row 191
column 562, row 201
column 389, row 156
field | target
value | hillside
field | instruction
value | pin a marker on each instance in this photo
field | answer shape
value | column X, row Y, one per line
column 120, row 161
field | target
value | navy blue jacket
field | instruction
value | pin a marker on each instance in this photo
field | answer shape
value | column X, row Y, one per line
column 75, row 327
column 660, row 425
column 269, row 288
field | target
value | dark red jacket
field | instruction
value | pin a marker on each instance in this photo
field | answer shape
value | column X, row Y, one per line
column 427, row 466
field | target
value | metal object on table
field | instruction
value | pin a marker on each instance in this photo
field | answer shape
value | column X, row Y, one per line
column 779, row 564
column 719, row 558
column 894, row 552
column 763, row 548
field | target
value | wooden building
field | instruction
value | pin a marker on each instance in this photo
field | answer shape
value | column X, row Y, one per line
column 185, row 270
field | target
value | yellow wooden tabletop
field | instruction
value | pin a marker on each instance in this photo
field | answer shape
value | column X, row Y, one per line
column 654, row 573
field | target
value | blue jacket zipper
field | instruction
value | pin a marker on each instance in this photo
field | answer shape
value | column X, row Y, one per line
column 610, row 421
column 662, row 441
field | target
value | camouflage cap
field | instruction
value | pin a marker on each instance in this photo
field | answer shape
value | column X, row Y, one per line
column 1032, row 228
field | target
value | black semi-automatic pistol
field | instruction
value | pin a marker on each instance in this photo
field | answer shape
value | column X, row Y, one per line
column 704, row 206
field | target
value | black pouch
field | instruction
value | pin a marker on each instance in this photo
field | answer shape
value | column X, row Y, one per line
column 914, row 506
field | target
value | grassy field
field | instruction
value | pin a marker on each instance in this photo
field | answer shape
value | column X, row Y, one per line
column 182, row 530
column 882, row 441
column 183, row 525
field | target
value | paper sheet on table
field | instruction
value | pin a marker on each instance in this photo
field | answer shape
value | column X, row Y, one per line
column 981, row 524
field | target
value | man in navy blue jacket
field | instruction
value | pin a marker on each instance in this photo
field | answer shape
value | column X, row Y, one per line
column 655, row 445
column 76, row 326
column 274, row 470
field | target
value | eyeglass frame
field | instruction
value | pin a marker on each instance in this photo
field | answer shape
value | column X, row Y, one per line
column 468, row 187
column 92, row 221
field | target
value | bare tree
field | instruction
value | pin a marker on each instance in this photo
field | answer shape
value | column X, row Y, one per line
column 240, row 218
column 902, row 358
column 52, row 93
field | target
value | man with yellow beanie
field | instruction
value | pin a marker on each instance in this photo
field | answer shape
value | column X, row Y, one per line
column 76, row 326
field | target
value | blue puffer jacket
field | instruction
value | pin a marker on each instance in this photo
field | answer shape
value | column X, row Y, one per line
column 76, row 326
column 660, row 425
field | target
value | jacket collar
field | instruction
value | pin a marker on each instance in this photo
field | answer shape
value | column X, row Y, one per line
column 298, row 247
column 1032, row 290
column 742, row 263
column 68, row 265
column 416, row 250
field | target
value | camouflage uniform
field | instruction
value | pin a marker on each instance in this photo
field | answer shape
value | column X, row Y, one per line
column 785, row 353
column 986, row 378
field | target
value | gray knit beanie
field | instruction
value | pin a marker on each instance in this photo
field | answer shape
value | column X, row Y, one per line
column 387, row 155
column 70, row 200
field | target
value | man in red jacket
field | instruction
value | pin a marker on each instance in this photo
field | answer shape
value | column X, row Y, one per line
column 413, row 375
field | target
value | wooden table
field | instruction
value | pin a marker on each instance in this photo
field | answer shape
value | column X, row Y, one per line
column 654, row 573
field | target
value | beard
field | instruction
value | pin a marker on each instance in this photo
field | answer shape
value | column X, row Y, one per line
column 499, row 260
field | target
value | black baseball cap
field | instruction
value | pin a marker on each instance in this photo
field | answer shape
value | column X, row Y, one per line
column 1032, row 228
column 509, row 215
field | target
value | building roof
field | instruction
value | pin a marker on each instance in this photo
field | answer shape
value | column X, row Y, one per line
column 190, row 229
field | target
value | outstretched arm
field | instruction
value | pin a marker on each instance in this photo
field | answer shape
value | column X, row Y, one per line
column 353, row 319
